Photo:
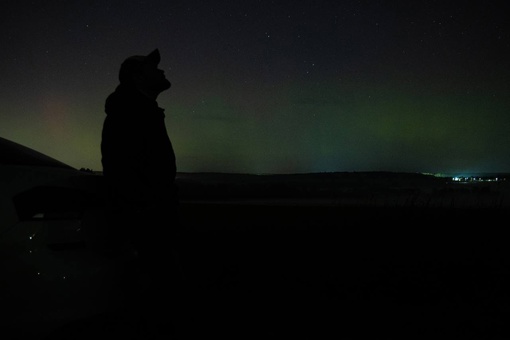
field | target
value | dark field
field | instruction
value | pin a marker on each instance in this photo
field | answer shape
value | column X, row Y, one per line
column 374, row 257
column 353, row 273
column 371, row 256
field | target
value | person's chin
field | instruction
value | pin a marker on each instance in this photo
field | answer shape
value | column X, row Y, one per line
column 165, row 85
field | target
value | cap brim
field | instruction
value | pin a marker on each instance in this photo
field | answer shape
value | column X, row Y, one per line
column 153, row 57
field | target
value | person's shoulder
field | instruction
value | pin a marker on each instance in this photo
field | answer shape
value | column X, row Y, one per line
column 121, row 99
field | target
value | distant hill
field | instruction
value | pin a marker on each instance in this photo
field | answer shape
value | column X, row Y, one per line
column 12, row 153
column 340, row 188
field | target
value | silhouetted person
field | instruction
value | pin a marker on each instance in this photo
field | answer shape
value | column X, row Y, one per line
column 139, row 169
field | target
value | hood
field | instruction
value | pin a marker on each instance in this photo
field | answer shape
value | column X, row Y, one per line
column 127, row 100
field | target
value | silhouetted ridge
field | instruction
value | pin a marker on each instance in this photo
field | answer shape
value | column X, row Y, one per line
column 17, row 154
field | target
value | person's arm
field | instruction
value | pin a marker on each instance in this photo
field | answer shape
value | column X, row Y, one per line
column 124, row 156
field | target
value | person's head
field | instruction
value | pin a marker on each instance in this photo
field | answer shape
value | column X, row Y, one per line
column 143, row 73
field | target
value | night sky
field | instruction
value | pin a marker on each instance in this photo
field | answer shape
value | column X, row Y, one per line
column 270, row 86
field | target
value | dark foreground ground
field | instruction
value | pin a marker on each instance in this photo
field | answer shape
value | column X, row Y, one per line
column 351, row 273
column 409, row 261
column 317, row 272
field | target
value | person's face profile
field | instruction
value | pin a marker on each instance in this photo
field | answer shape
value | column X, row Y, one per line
column 152, row 77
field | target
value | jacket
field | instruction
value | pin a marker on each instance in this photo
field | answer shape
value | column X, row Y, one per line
column 137, row 156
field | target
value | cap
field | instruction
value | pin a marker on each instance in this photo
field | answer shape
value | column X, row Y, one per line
column 134, row 64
